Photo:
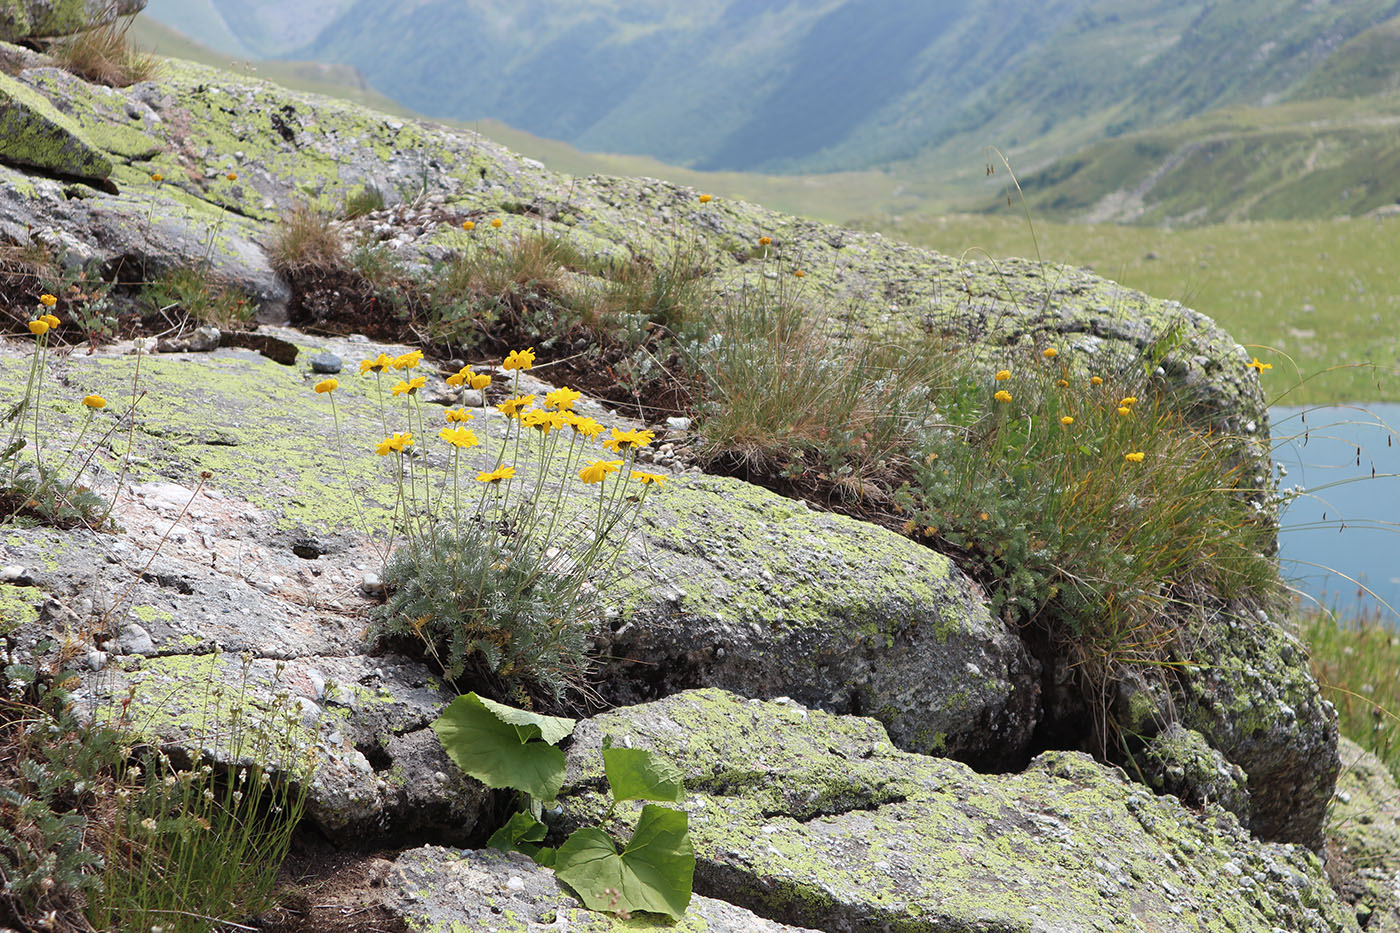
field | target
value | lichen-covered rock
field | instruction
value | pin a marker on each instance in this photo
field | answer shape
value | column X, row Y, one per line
column 1363, row 839
column 1182, row 763
column 437, row 890
column 1248, row 689
column 33, row 133
column 760, row 595
column 33, row 19
column 234, row 153
column 284, row 146
column 813, row 819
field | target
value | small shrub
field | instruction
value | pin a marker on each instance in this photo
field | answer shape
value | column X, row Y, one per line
column 102, row 54
column 1095, row 512
column 193, row 292
column 671, row 291
column 782, row 391
column 34, row 487
column 307, row 239
column 498, row 573
column 189, row 844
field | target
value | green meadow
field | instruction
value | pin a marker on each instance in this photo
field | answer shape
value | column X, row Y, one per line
column 1320, row 299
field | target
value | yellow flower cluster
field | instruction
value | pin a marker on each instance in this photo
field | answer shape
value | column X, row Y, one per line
column 465, row 378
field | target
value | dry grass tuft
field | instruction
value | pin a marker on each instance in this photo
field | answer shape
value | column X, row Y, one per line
column 307, row 239
column 102, row 54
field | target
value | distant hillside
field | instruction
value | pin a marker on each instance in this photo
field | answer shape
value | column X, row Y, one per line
column 248, row 28
column 828, row 85
column 1329, row 150
column 1145, row 111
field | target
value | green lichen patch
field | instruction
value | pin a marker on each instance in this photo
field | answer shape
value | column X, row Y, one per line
column 34, row 133
column 19, row 605
column 912, row 843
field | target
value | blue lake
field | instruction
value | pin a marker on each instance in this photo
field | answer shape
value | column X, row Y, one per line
column 1342, row 537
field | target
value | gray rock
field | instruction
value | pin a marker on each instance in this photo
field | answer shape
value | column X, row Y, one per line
column 371, row 584
column 326, row 363
column 16, row 575
column 813, row 819
column 135, row 640
column 1248, row 689
column 433, row 888
column 1181, row 762
column 744, row 590
column 200, row 340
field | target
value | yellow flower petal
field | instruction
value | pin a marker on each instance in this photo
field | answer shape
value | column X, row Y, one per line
column 327, row 385
column 94, row 401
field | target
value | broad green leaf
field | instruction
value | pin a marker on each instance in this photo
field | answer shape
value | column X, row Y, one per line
column 654, row 873
column 553, row 729
column 637, row 774
column 544, row 855
column 521, row 828
column 494, row 752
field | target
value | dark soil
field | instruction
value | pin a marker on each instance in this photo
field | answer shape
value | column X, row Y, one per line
column 324, row 889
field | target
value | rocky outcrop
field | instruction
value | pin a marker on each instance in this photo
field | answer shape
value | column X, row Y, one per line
column 250, row 585
column 34, row 134
column 728, row 584
column 36, row 19
column 818, row 820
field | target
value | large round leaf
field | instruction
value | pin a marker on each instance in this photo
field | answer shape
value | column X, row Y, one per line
column 654, row 873
column 500, row 753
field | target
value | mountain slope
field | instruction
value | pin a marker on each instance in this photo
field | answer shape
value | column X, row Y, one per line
column 824, row 85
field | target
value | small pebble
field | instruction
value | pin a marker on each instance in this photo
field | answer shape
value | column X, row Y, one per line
column 327, row 363
column 678, row 424
column 136, row 640
column 371, row 585
column 17, row 575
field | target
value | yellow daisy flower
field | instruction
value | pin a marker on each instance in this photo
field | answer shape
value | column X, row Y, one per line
column 496, row 475
column 519, row 359
column 562, row 398
column 459, row 436
column 327, row 385
column 512, row 407
column 598, row 469
column 629, row 439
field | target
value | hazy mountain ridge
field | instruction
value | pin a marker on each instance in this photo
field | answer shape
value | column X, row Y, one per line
column 825, row 85
column 1138, row 111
